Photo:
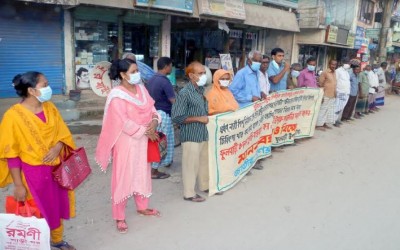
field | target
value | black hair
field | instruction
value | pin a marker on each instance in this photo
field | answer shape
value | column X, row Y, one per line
column 345, row 60
column 119, row 66
column 266, row 57
column 384, row 64
column 311, row 59
column 24, row 81
column 354, row 66
column 276, row 50
column 80, row 70
column 163, row 62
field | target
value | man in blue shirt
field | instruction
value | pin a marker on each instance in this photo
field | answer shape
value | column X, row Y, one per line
column 245, row 87
column 161, row 90
column 277, row 70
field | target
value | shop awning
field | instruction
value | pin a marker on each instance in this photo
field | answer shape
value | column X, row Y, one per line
column 329, row 45
column 267, row 17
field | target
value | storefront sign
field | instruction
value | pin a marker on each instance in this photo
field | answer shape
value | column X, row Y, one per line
column 285, row 3
column 100, row 82
column 350, row 39
column 233, row 9
column 238, row 139
column 372, row 33
column 226, row 63
column 331, row 34
column 61, row 2
column 177, row 5
column 358, row 41
column 213, row 63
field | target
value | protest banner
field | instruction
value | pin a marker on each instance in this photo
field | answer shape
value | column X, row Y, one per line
column 237, row 140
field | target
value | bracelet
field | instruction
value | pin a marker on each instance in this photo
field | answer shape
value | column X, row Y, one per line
column 155, row 118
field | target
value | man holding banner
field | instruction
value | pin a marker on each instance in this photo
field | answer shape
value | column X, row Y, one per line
column 245, row 87
column 190, row 111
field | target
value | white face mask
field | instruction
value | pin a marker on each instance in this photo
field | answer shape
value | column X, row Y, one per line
column 202, row 80
column 346, row 66
column 224, row 83
column 134, row 78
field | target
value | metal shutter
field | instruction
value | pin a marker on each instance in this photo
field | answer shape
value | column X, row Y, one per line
column 31, row 40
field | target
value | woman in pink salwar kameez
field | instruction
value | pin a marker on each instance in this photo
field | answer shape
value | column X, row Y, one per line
column 130, row 120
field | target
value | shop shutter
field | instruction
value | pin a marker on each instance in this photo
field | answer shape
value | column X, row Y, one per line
column 31, row 40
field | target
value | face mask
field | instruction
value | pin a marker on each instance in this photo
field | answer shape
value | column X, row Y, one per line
column 134, row 78
column 375, row 70
column 45, row 94
column 295, row 73
column 224, row 83
column 310, row 67
column 202, row 81
column 255, row 66
column 346, row 66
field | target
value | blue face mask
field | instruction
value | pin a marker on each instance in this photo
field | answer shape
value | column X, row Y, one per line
column 255, row 66
column 295, row 73
column 45, row 94
column 310, row 67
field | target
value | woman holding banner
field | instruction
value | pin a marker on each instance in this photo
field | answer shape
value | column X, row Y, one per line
column 220, row 98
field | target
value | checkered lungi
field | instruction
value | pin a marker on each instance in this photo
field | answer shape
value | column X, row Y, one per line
column 340, row 103
column 166, row 128
column 326, row 112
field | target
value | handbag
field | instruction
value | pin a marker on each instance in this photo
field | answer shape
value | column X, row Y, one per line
column 157, row 150
column 73, row 169
column 18, row 232
column 22, row 207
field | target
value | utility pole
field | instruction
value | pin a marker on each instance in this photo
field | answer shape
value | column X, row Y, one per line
column 386, row 18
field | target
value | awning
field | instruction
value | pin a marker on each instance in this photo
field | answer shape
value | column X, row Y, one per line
column 328, row 44
column 267, row 17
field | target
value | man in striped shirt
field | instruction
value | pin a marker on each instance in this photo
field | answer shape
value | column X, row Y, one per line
column 190, row 111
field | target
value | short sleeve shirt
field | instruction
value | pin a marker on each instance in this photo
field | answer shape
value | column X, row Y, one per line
column 273, row 71
column 161, row 90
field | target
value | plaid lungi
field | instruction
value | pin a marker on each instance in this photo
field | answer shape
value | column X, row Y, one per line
column 166, row 128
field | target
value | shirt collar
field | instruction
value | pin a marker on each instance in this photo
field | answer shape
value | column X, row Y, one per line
column 199, row 90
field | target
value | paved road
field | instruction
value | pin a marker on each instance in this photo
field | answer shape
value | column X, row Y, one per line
column 337, row 191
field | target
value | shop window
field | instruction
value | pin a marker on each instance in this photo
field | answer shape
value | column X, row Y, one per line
column 366, row 11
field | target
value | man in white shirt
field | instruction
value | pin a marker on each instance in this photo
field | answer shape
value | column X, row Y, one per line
column 342, row 90
column 373, row 88
column 380, row 95
column 263, row 77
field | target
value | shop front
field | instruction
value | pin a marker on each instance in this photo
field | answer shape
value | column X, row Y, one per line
column 31, row 39
column 104, row 34
column 332, row 43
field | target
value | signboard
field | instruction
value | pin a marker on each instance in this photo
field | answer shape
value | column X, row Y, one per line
column 226, row 63
column 213, row 63
column 360, row 36
column 176, row 5
column 233, row 9
column 372, row 33
column 331, row 34
column 238, row 139
column 285, row 3
column 100, row 82
column 350, row 39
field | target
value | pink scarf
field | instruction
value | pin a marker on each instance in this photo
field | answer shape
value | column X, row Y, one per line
column 113, row 124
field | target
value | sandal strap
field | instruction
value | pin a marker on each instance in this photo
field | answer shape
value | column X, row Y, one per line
column 61, row 244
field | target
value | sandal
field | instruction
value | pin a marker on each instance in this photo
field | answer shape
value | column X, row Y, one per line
column 149, row 212
column 196, row 198
column 258, row 166
column 63, row 245
column 160, row 175
column 122, row 227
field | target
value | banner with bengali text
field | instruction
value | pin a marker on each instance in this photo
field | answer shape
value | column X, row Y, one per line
column 237, row 140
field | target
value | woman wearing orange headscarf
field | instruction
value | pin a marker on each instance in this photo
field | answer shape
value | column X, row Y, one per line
column 220, row 98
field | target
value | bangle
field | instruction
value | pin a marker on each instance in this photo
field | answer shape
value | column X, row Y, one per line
column 155, row 118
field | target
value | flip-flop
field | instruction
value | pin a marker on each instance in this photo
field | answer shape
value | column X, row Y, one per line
column 160, row 175
column 122, row 227
column 149, row 212
column 196, row 198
